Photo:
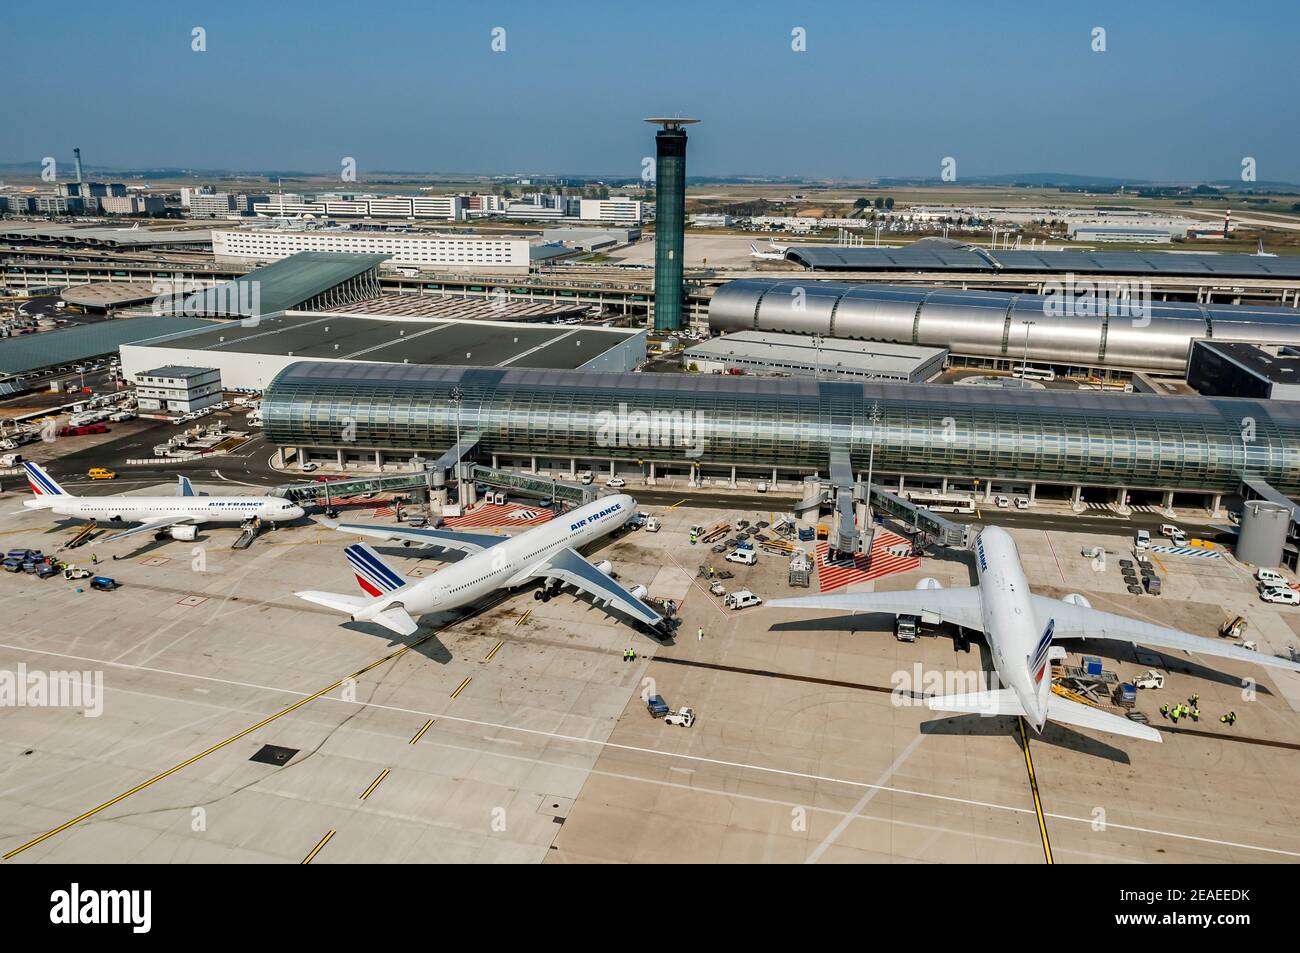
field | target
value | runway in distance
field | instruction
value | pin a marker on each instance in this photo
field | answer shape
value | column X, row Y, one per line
column 1020, row 628
column 548, row 553
column 178, row 515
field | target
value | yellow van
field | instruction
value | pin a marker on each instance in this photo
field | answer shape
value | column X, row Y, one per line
column 99, row 473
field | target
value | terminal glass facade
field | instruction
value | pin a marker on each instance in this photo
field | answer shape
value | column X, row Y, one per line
column 1088, row 438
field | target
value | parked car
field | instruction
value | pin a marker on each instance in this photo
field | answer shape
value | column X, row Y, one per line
column 1002, row 501
column 1143, row 540
column 1022, row 502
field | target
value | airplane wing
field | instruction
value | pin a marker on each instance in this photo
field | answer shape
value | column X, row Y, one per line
column 468, row 543
column 1073, row 622
column 148, row 526
column 959, row 606
column 572, row 568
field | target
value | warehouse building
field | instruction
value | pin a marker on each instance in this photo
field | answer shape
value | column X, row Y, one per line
column 1053, row 442
column 1137, row 234
column 248, row 354
column 796, row 355
column 1233, row 369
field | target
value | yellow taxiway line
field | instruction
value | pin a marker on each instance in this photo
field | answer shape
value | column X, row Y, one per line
column 1033, row 787
column 317, row 849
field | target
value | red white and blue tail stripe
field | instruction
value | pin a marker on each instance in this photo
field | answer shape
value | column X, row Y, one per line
column 42, row 483
column 1038, row 661
column 374, row 576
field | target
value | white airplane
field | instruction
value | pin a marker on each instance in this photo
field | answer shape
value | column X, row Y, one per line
column 178, row 515
column 1020, row 628
column 548, row 552
column 777, row 254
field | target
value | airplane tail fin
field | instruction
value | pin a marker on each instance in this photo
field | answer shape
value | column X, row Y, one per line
column 375, row 577
column 183, row 486
column 753, row 248
column 42, row 483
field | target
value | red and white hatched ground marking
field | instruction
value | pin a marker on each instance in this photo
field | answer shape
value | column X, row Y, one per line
column 882, row 562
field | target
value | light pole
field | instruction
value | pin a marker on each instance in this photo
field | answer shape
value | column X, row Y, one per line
column 1024, row 364
column 456, row 395
column 871, row 452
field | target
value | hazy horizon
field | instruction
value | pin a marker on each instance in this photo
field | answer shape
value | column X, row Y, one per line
column 1181, row 93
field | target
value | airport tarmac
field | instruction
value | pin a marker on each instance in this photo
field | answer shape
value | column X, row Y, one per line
column 520, row 734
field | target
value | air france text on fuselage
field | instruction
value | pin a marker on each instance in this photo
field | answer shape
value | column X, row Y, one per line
column 595, row 516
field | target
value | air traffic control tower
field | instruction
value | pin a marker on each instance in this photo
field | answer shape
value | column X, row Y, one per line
column 670, row 220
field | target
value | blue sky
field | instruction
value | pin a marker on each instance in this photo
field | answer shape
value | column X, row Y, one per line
column 1183, row 91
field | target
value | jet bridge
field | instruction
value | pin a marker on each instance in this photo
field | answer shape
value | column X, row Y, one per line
column 854, row 501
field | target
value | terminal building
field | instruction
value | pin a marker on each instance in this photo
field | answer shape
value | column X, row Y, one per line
column 1052, row 443
column 796, row 355
column 998, row 328
column 477, row 254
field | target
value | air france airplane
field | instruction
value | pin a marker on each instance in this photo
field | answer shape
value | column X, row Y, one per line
column 1020, row 628
column 548, row 552
column 177, row 515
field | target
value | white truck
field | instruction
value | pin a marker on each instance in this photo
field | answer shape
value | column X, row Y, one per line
column 684, row 717
column 652, row 525
column 1150, row 679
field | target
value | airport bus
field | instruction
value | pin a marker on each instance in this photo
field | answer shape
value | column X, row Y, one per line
column 941, row 502
column 1035, row 373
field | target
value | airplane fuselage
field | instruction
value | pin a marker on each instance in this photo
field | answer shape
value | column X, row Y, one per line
column 195, row 509
column 509, row 563
column 1010, row 625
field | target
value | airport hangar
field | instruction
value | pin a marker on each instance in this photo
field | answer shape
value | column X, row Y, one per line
column 1054, row 442
column 992, row 328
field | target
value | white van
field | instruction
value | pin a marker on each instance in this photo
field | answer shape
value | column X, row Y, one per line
column 1143, row 540
column 745, row 557
column 1022, row 502
column 1002, row 502
column 742, row 599
column 1270, row 578
column 1287, row 597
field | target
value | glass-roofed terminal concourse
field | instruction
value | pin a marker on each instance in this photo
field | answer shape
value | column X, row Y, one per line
column 784, row 429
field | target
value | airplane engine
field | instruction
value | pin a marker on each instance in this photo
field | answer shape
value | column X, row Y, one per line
column 639, row 591
column 929, row 582
column 1075, row 599
column 185, row 531
column 606, row 567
